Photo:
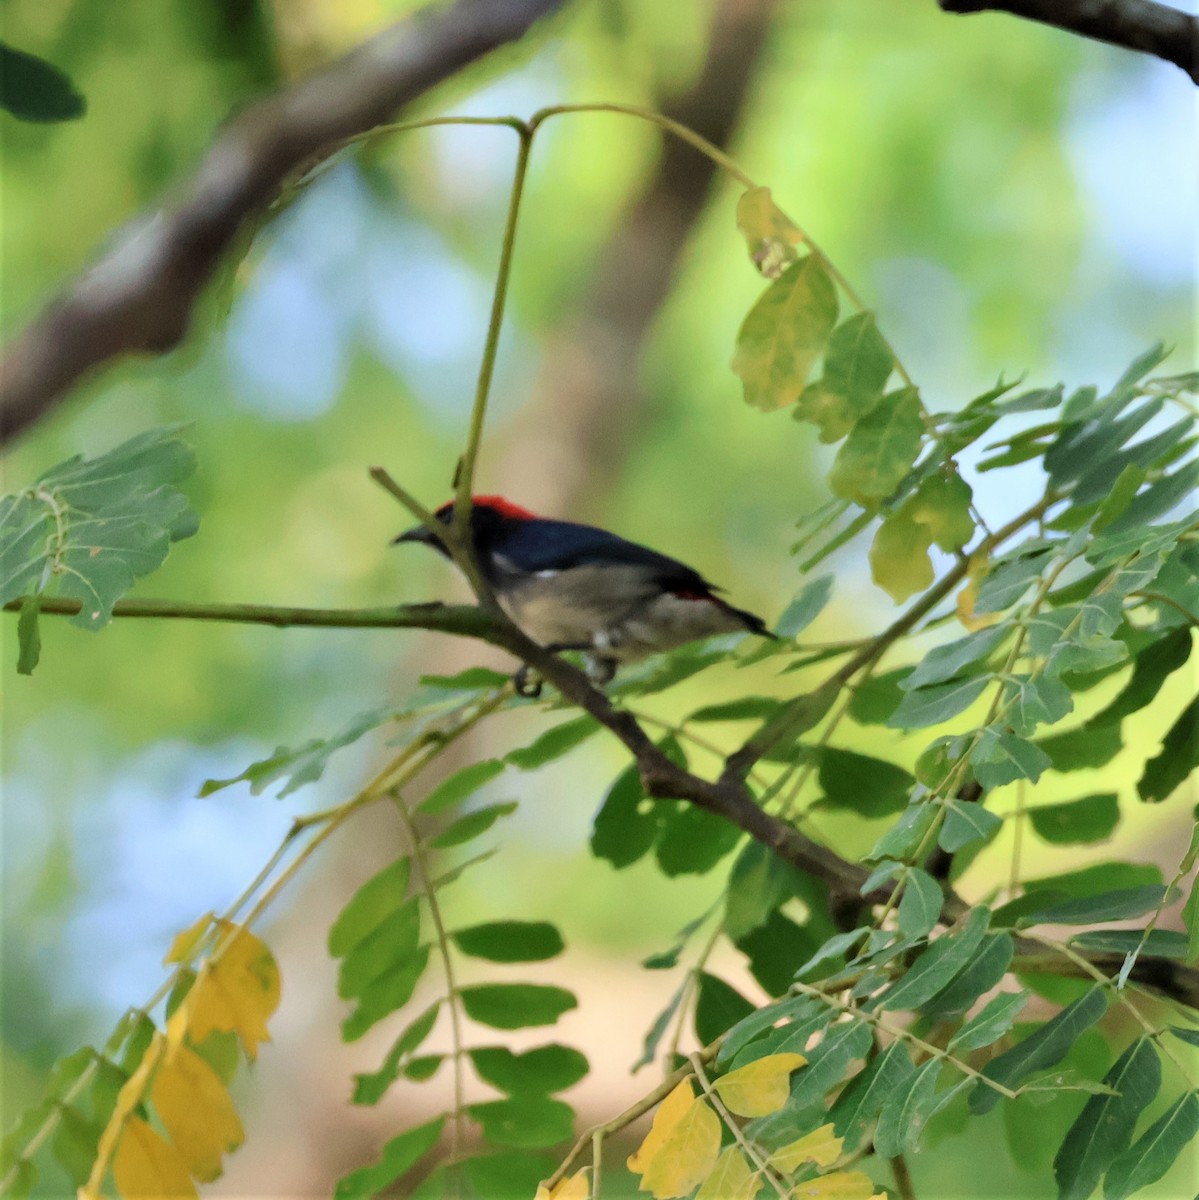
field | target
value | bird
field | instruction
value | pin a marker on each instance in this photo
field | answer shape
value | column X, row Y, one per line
column 577, row 587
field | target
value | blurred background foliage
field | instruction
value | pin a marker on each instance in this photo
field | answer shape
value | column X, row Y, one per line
column 1010, row 199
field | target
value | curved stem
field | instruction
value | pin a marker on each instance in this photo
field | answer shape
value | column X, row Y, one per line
column 727, row 164
column 453, row 1003
column 466, row 471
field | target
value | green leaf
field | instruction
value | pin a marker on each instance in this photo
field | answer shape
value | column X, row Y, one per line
column 516, row 1005
column 876, row 698
column 858, row 363
column 385, row 994
column 808, row 604
column 693, row 841
column 75, row 1143
column 33, row 89
column 773, row 949
column 1117, row 905
column 759, row 882
column 473, row 825
column 967, row 822
column 512, row 1175
column 29, row 638
column 1012, row 577
column 1154, row 1152
column 922, row 707
column 304, row 764
column 1153, row 666
column 1157, row 500
column 828, row 1065
column 1115, row 500
column 392, row 942
column 1190, row 1036
column 1046, row 1045
column 937, row 964
column 869, row 786
column 1088, row 819
column 990, row 1023
column 627, row 823
column 719, row 1007
column 1044, row 700
column 510, row 941
column 880, row 449
column 546, row 1069
column 920, row 905
column 747, row 708
column 553, row 743
column 525, row 1121
column 944, row 662
column 424, row 1067
column 1178, row 758
column 369, row 907
column 654, row 1034
column 744, row 1046
column 1105, row 1126
column 907, row 1110
column 784, row 334
column 1190, row 918
column 983, row 972
column 473, row 679
column 1082, row 749
column 1163, row 943
column 907, row 834
column 370, row 1088
column 399, row 1155
column 857, row 1106
column 87, row 529
column 1000, row 758
column 461, row 784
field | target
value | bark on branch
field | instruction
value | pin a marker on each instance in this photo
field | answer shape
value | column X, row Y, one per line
column 1142, row 25
column 140, row 296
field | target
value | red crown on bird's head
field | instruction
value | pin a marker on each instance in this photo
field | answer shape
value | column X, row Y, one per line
column 497, row 504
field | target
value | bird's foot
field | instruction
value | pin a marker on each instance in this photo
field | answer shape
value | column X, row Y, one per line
column 527, row 682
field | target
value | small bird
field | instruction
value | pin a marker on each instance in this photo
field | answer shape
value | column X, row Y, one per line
column 576, row 587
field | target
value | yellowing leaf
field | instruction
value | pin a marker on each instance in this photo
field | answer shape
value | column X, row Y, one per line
column 185, row 941
column 899, row 561
column 197, row 1111
column 574, row 1188
column 687, row 1155
column 236, row 989
column 669, row 1113
column 732, row 1178
column 821, row 1146
column 976, row 570
column 840, row 1185
column 761, row 1087
column 784, row 334
column 769, row 233
column 132, row 1093
column 942, row 502
column 147, row 1167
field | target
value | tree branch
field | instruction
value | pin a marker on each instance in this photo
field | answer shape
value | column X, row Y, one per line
column 140, row 296
column 662, row 778
column 466, row 620
column 1141, row 25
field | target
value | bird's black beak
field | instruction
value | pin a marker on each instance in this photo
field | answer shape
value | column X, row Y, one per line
column 417, row 534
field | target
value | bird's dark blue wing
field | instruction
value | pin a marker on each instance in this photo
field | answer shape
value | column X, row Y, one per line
column 544, row 545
